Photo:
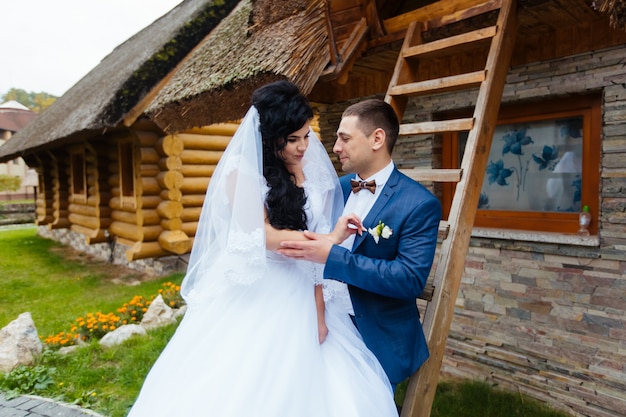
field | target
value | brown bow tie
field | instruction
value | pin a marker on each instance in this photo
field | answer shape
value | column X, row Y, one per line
column 359, row 185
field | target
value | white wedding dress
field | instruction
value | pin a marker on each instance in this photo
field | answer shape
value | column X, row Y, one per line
column 248, row 344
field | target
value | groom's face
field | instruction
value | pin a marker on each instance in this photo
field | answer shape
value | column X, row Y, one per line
column 353, row 147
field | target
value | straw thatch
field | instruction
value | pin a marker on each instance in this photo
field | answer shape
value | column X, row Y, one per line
column 244, row 52
column 101, row 99
column 615, row 9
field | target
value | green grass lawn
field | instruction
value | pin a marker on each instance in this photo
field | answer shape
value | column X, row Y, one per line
column 56, row 286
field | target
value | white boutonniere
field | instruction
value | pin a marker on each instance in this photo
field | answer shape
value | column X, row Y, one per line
column 382, row 230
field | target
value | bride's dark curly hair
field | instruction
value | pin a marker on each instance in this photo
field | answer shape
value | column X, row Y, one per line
column 282, row 111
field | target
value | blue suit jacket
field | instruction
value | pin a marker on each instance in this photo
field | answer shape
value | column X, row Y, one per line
column 385, row 278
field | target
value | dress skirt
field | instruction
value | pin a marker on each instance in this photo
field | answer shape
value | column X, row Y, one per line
column 254, row 351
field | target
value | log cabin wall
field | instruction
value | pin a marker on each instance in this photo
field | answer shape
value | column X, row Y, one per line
column 59, row 173
column 85, row 207
column 173, row 172
column 201, row 150
column 134, row 218
column 45, row 192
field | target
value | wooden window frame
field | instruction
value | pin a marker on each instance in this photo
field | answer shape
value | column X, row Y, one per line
column 589, row 107
column 78, row 169
column 127, row 171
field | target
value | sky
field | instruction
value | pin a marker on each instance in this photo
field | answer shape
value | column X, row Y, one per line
column 49, row 45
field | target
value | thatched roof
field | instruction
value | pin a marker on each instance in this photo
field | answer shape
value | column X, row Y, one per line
column 259, row 42
column 100, row 100
column 615, row 9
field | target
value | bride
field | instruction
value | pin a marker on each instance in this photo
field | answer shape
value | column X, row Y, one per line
column 258, row 338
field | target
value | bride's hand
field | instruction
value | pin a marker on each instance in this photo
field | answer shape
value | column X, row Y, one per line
column 322, row 332
column 346, row 226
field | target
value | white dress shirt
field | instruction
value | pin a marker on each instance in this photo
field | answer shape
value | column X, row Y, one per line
column 362, row 202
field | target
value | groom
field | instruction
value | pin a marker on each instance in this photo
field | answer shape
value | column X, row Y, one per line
column 387, row 267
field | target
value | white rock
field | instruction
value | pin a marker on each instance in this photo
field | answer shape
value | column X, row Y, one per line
column 158, row 314
column 121, row 334
column 19, row 343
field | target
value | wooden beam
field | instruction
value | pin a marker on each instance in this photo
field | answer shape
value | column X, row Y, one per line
column 450, row 10
column 440, row 126
column 439, row 85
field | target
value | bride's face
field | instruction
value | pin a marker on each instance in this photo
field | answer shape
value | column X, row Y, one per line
column 293, row 152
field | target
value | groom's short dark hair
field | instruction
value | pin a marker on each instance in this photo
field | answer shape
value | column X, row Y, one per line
column 374, row 114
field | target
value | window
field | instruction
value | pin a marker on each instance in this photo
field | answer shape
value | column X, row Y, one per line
column 79, row 172
column 543, row 166
column 126, row 156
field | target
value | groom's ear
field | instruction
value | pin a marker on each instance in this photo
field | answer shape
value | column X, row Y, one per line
column 380, row 138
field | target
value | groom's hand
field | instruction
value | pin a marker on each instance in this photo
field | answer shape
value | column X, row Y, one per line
column 316, row 249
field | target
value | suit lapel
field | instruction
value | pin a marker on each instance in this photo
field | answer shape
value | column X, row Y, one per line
column 373, row 216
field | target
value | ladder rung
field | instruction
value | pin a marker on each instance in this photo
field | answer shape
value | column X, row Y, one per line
column 440, row 126
column 449, row 45
column 434, row 175
column 444, row 229
column 439, row 85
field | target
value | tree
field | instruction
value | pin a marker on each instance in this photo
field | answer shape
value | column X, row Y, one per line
column 37, row 102
column 9, row 182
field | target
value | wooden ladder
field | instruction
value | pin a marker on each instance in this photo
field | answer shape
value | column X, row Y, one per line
column 456, row 231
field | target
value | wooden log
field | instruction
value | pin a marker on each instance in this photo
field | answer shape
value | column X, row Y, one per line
column 189, row 228
column 172, row 224
column 90, row 158
column 171, row 163
column 85, row 231
column 140, row 217
column 147, row 139
column 83, row 209
column 170, row 179
column 170, row 209
column 149, row 201
column 59, row 223
column 191, row 214
column 142, row 250
column 200, row 157
column 197, row 170
column 149, row 186
column 97, row 236
column 105, row 222
column 171, row 195
column 127, row 217
column 149, row 170
column 204, row 142
column 149, row 217
column 195, row 185
column 175, row 241
column 44, row 220
column 116, row 203
column 114, row 180
column 85, row 221
column 149, row 155
column 220, row 129
column 193, row 200
column 170, row 145
column 135, row 232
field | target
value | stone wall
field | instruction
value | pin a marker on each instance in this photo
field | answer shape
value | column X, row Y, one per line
column 17, row 213
column 538, row 313
column 115, row 253
column 547, row 316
